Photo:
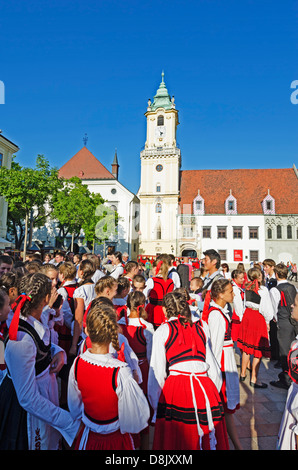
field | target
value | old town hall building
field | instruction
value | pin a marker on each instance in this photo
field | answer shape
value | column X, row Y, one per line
column 245, row 214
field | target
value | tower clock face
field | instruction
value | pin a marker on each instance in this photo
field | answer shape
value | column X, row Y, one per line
column 160, row 132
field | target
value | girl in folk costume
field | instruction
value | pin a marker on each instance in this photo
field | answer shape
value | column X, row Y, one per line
column 139, row 334
column 110, row 413
column 82, row 296
column 29, row 413
column 238, row 302
column 184, row 383
column 253, row 337
column 158, row 286
column 288, row 431
column 126, row 351
column 123, row 289
column 219, row 322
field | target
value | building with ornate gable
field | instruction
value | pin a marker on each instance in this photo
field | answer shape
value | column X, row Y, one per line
column 247, row 215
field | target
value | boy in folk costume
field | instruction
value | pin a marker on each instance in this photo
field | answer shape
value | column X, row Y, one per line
column 282, row 297
column 288, row 431
column 211, row 264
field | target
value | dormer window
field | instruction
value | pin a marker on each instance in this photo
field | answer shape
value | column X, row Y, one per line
column 198, row 205
column 231, row 204
column 268, row 204
column 160, row 120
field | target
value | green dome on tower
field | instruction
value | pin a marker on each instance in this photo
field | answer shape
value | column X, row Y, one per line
column 162, row 98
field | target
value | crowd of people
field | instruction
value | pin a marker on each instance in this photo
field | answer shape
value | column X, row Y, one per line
column 95, row 353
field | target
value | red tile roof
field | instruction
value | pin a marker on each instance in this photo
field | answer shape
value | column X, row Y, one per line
column 84, row 165
column 249, row 187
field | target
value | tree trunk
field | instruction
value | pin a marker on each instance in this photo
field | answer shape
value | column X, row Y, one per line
column 25, row 237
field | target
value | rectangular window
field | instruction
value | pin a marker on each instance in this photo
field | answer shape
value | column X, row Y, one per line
column 237, row 232
column 198, row 205
column 254, row 256
column 254, row 232
column 269, row 205
column 188, row 232
column 221, row 232
column 223, row 255
column 206, row 232
column 230, row 205
column 1, row 159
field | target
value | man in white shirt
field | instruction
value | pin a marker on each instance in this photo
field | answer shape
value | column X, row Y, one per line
column 282, row 297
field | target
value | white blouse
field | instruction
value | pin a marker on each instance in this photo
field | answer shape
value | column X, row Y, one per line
column 265, row 307
column 133, row 408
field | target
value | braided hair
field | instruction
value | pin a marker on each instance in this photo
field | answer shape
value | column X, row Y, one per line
column 37, row 286
column 176, row 305
column 102, row 325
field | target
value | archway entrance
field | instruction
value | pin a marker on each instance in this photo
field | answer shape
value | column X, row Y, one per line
column 189, row 253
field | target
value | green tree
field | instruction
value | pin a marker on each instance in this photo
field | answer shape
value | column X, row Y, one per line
column 29, row 193
column 75, row 208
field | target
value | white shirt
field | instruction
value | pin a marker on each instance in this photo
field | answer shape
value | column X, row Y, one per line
column 275, row 297
column 265, row 307
column 117, row 271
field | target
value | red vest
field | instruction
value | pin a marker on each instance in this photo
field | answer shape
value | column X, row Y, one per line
column 185, row 344
column 136, row 339
column 100, row 403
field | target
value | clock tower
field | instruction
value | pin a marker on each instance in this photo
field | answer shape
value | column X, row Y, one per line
column 160, row 168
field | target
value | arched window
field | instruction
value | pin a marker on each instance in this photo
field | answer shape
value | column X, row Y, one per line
column 289, row 231
column 269, row 233
column 160, row 121
column 158, row 208
column 278, row 231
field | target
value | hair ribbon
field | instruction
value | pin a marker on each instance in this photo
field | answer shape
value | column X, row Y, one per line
column 17, row 305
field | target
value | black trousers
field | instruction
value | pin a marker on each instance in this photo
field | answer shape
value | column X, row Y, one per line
column 286, row 333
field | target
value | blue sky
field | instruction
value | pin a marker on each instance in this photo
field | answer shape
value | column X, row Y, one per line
column 76, row 67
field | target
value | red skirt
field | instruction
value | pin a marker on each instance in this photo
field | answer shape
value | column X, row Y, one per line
column 253, row 334
column 235, row 326
column 155, row 315
column 176, row 427
column 112, row 441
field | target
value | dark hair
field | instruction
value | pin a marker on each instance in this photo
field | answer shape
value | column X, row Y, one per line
column 3, row 295
column 135, row 300
column 118, row 255
column 130, row 265
column 218, row 287
column 281, row 270
column 236, row 272
column 37, row 286
column 269, row 262
column 213, row 254
column 9, row 280
column 123, row 283
column 5, row 259
column 225, row 265
column 183, row 291
column 88, row 269
column 139, row 278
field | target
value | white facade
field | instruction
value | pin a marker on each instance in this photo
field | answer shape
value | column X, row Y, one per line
column 7, row 150
column 238, row 238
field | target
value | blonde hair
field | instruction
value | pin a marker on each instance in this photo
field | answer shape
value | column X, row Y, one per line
column 68, row 270
column 103, row 283
column 102, row 326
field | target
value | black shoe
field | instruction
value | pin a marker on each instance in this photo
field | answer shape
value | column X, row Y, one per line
column 279, row 384
column 242, row 378
column 255, row 385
